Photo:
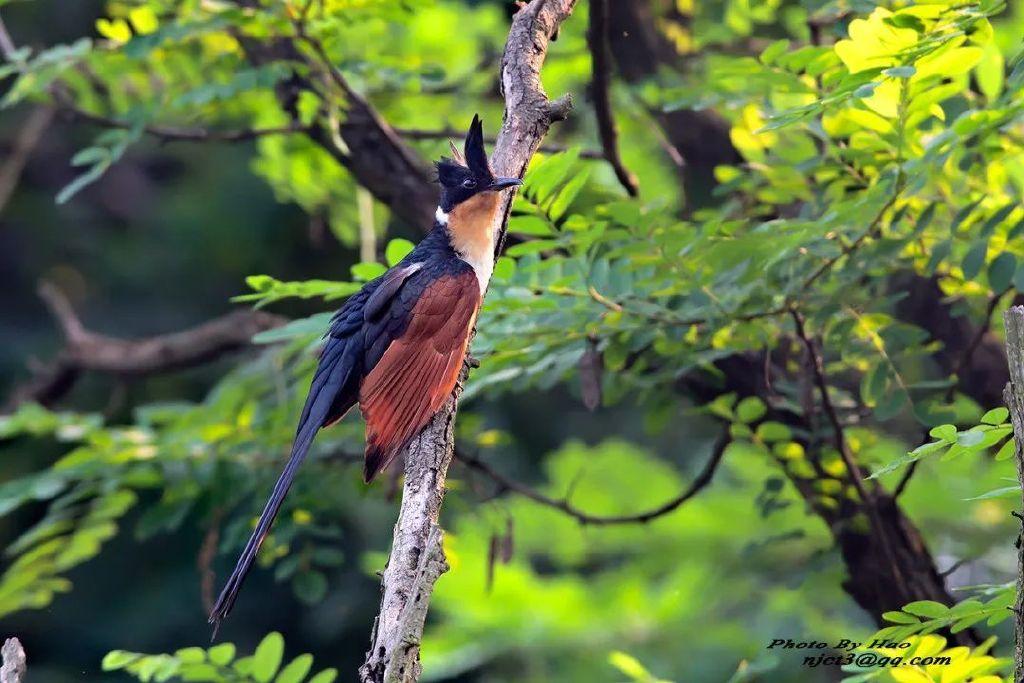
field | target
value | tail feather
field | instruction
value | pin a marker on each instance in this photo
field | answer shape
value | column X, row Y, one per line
column 331, row 377
column 375, row 460
column 245, row 561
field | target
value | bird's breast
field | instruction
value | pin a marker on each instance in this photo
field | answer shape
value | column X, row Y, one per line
column 471, row 233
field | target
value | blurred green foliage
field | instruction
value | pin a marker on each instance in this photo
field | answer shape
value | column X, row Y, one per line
column 892, row 144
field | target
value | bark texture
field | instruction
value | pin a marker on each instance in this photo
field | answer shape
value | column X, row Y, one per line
column 1014, row 396
column 14, row 664
column 417, row 555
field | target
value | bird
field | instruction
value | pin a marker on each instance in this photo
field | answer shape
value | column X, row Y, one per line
column 396, row 347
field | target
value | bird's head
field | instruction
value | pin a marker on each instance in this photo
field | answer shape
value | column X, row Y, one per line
column 467, row 174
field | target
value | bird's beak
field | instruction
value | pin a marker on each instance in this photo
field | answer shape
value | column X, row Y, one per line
column 503, row 183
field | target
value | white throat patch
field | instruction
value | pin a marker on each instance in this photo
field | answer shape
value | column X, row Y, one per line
column 440, row 216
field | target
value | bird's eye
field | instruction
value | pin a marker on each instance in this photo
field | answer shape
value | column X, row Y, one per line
column 469, row 183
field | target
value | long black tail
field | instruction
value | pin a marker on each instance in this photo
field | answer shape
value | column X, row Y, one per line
column 330, row 379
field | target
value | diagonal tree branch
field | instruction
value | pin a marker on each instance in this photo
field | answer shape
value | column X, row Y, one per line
column 355, row 134
column 417, row 556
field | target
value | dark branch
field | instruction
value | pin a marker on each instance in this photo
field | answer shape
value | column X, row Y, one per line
column 979, row 335
column 817, row 366
column 508, row 484
column 600, row 93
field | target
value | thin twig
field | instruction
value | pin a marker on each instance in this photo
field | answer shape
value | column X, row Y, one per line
column 204, row 561
column 849, row 249
column 905, row 479
column 979, row 336
column 7, row 47
column 24, row 144
column 702, row 480
column 183, row 134
column 853, row 470
column 600, row 93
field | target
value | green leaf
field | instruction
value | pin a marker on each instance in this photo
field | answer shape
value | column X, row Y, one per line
column 314, row 325
column 267, row 658
column 970, row 438
column 926, row 608
column 900, row 71
column 997, row 218
column 773, row 51
column 325, row 676
column 397, row 250
column 975, row 259
column 310, row 586
column 222, row 654
column 1007, row 450
column 118, row 659
column 1001, row 271
column 750, row 409
column 504, row 268
column 773, row 431
column 874, row 384
column 368, row 270
column 296, row 670
column 1004, row 492
column 191, row 655
column 945, row 432
column 996, row 416
column 530, row 225
column 900, row 618
column 201, row 672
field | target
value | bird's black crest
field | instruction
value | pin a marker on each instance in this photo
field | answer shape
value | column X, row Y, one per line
column 449, row 171
column 473, row 149
column 462, row 178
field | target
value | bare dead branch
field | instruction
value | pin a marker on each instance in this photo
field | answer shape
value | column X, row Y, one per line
column 600, row 93
column 86, row 351
column 417, row 557
column 563, row 504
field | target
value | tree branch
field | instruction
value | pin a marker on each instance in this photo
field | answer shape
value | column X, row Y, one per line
column 600, row 93
column 702, row 480
column 852, row 469
column 417, row 557
column 14, row 662
column 24, row 144
column 1013, row 394
column 178, row 133
column 88, row 351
